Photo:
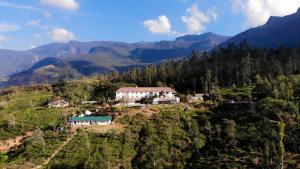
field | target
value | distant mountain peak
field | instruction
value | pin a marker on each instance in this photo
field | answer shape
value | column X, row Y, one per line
column 76, row 59
column 272, row 20
column 278, row 31
column 204, row 36
column 73, row 42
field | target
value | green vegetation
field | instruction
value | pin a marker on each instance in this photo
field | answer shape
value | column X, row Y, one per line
column 236, row 65
column 258, row 131
column 176, row 138
column 153, row 143
column 250, row 118
column 24, row 110
column 37, row 148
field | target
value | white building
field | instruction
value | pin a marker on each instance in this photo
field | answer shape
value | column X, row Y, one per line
column 90, row 120
column 130, row 95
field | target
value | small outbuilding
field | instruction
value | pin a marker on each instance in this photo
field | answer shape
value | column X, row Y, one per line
column 90, row 120
column 88, row 113
column 196, row 98
column 58, row 104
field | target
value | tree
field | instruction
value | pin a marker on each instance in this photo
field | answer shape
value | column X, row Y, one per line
column 159, row 84
column 230, row 131
column 162, row 74
column 3, row 159
column 134, row 75
column 147, row 100
column 277, row 110
column 263, row 89
column 207, row 81
column 218, row 129
column 245, row 67
column 208, row 127
column 11, row 120
column 114, row 75
column 161, row 94
column 59, row 87
column 217, row 94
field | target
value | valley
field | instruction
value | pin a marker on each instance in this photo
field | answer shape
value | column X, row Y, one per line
column 140, row 85
column 75, row 59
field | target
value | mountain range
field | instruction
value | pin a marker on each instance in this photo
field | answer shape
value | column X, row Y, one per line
column 278, row 31
column 75, row 59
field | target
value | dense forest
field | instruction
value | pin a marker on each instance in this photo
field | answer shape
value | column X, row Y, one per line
column 252, row 123
column 260, row 131
column 237, row 65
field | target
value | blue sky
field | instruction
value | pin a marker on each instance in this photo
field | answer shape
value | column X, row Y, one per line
column 31, row 23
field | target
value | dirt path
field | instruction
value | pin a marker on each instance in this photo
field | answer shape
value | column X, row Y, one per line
column 55, row 152
column 7, row 145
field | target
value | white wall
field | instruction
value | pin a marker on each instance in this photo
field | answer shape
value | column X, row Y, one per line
column 131, row 97
column 140, row 95
column 87, row 123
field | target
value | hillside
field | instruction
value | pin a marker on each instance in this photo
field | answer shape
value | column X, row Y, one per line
column 90, row 58
column 278, row 31
column 48, row 70
column 259, row 134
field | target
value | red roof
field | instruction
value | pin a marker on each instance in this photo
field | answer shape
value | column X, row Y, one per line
column 145, row 89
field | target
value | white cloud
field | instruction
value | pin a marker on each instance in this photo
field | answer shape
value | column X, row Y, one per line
column 17, row 6
column 258, row 12
column 61, row 35
column 34, row 22
column 7, row 27
column 46, row 27
column 33, row 46
column 37, row 35
column 213, row 14
column 2, row 39
column 47, row 15
column 161, row 25
column 196, row 19
column 71, row 5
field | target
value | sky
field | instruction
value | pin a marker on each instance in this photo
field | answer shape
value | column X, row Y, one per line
column 31, row 23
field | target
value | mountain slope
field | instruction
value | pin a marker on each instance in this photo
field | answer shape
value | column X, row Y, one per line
column 46, row 71
column 15, row 61
column 77, row 59
column 108, row 52
column 278, row 31
column 180, row 47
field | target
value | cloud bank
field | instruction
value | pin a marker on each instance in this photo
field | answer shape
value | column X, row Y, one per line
column 2, row 39
column 8, row 27
column 61, row 35
column 194, row 20
column 161, row 25
column 34, row 22
column 71, row 5
column 257, row 12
